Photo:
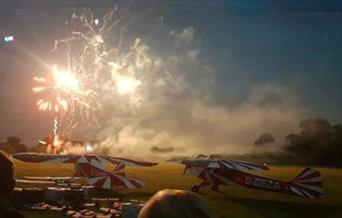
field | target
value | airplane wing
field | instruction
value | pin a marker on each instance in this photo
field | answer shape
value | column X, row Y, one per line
column 242, row 165
column 128, row 162
column 58, row 158
column 213, row 164
column 199, row 163
column 47, row 158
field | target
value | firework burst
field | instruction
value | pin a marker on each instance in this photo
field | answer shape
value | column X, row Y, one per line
column 57, row 92
column 101, row 72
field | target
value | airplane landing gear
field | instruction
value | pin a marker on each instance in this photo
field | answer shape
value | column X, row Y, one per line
column 195, row 188
column 214, row 187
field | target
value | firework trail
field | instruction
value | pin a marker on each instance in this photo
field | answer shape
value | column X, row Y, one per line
column 55, row 126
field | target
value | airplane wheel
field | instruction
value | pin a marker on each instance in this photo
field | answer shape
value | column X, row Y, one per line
column 195, row 188
column 214, row 188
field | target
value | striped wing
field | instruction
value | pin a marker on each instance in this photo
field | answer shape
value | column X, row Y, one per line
column 46, row 158
column 128, row 162
column 241, row 165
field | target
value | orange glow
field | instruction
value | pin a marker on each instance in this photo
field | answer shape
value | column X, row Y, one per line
column 57, row 141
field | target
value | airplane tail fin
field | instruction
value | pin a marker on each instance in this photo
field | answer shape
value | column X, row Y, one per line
column 99, row 177
column 308, row 183
column 112, row 180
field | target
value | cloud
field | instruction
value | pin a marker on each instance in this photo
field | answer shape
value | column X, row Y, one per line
column 193, row 53
column 186, row 35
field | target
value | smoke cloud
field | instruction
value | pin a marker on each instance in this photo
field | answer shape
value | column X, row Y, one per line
column 174, row 107
column 177, row 109
column 175, row 104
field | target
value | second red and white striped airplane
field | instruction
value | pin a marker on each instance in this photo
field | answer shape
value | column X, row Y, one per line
column 215, row 172
column 92, row 168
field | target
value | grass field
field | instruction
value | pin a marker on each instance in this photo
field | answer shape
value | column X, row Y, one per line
column 233, row 202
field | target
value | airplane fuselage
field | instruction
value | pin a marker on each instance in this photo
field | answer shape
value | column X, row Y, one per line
column 214, row 172
column 225, row 176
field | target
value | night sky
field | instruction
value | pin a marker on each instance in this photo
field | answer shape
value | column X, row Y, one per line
column 263, row 56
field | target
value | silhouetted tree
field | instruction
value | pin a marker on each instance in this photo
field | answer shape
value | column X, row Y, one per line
column 259, row 143
column 200, row 156
column 264, row 139
column 14, row 142
column 317, row 143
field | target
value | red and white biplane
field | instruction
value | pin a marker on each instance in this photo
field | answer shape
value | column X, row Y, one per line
column 215, row 172
column 92, row 168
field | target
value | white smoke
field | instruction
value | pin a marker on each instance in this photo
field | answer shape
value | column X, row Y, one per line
column 172, row 107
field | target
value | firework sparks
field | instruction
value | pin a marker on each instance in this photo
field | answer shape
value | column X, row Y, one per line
column 65, row 80
column 103, row 70
column 58, row 91
column 100, row 72
column 55, row 126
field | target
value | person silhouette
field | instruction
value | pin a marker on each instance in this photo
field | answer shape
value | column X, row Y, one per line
column 170, row 203
column 7, row 183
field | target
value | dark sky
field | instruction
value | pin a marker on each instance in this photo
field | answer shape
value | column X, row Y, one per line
column 249, row 43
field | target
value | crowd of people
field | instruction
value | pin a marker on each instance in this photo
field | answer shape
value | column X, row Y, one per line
column 167, row 203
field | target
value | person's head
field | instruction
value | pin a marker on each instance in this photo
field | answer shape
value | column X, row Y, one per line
column 174, row 204
column 7, row 181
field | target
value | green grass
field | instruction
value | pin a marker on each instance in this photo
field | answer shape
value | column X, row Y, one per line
column 234, row 201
